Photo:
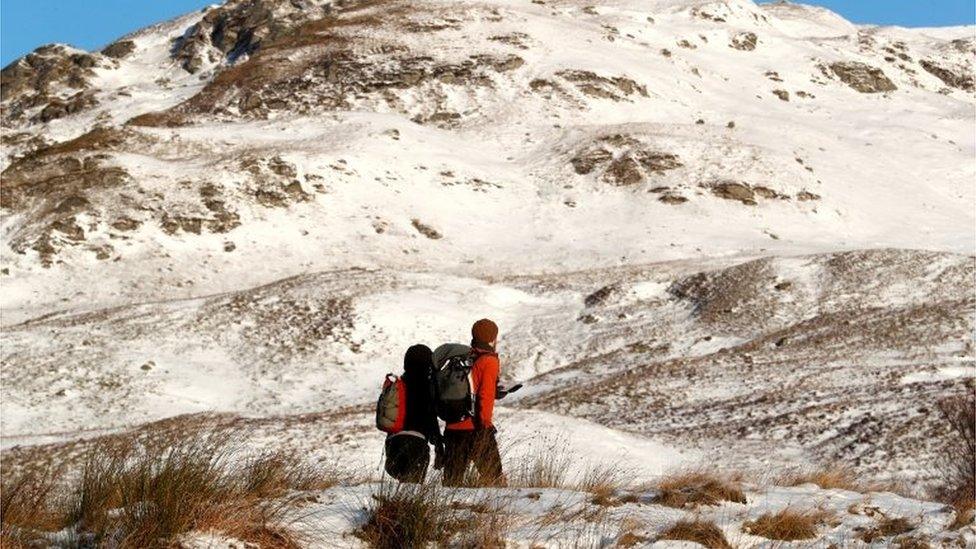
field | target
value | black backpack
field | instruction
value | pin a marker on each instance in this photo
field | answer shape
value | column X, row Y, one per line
column 453, row 397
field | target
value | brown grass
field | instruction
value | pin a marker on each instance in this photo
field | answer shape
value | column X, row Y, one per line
column 409, row 515
column 885, row 528
column 694, row 488
column 835, row 477
column 127, row 495
column 957, row 468
column 786, row 525
column 699, row 531
column 541, row 470
column 29, row 500
column 840, row 477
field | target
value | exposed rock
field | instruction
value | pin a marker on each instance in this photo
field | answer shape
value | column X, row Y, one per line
column 600, row 296
column 120, row 49
column 731, row 190
column 702, row 13
column 41, row 78
column 172, row 224
column 745, row 41
column 239, row 27
column 38, row 72
column 623, row 171
column 962, row 81
column 25, row 182
column 616, row 88
column 517, row 39
column 670, row 198
column 804, row 196
column 125, row 224
column 69, row 228
column 657, row 162
column 782, row 94
column 624, row 159
column 426, row 230
column 585, row 162
column 862, row 77
column 59, row 108
column 766, row 192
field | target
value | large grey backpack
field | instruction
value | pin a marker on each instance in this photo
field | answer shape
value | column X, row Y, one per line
column 452, row 382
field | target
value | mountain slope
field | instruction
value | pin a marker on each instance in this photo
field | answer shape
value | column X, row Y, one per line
column 364, row 117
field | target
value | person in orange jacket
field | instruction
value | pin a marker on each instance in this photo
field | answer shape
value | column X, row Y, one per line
column 472, row 440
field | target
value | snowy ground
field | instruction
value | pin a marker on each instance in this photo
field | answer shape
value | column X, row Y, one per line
column 702, row 240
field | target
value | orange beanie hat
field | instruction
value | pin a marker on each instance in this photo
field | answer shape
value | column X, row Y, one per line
column 484, row 331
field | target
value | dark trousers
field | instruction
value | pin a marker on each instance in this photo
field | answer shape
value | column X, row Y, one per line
column 462, row 448
column 407, row 457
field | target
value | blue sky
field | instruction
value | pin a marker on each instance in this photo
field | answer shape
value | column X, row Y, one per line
column 90, row 24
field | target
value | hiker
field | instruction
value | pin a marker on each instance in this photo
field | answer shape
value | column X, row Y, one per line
column 472, row 439
column 407, row 452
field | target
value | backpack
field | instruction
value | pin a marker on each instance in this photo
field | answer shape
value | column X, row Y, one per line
column 453, row 400
column 391, row 407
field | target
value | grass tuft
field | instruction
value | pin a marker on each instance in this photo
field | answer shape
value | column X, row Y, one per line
column 886, row 528
column 957, row 468
column 835, row 477
column 786, row 525
column 695, row 488
column 699, row 531
column 129, row 496
column 409, row 515
column 541, row 470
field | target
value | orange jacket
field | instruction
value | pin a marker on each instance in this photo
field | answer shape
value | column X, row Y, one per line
column 484, row 380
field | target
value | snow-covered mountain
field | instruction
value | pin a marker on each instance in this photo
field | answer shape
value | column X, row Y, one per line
column 740, row 229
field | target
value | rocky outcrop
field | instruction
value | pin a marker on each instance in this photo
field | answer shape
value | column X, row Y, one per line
column 616, row 88
column 273, row 182
column 862, row 77
column 44, row 69
column 733, row 190
column 58, row 108
column 745, row 41
column 40, row 78
column 120, row 49
column 624, row 160
column 960, row 80
column 239, row 27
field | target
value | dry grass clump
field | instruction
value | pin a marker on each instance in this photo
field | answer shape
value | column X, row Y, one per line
column 541, row 470
column 837, row 477
column 29, row 500
column 694, row 488
column 489, row 530
column 699, row 531
column 628, row 535
column 957, row 468
column 886, row 528
column 410, row 515
column 130, row 496
column 786, row 525
column 604, row 481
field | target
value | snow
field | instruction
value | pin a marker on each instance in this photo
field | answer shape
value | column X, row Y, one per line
column 524, row 239
column 940, row 374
